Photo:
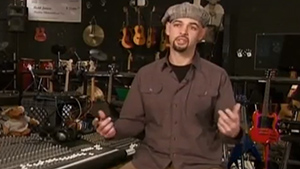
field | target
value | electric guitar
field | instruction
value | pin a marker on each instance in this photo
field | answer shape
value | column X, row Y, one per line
column 151, row 35
column 139, row 31
column 246, row 145
column 264, row 129
column 40, row 34
column 68, row 65
column 92, row 68
column 264, row 124
column 126, row 40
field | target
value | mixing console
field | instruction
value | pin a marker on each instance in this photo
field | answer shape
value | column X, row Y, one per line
column 35, row 153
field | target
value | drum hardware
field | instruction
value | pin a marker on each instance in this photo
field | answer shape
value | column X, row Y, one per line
column 58, row 50
column 3, row 46
column 93, row 35
column 73, row 51
column 98, row 55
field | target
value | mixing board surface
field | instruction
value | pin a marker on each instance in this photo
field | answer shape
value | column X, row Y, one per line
column 33, row 152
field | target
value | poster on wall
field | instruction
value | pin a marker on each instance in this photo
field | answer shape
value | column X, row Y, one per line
column 54, row 10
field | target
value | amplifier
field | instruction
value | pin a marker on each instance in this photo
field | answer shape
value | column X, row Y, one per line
column 9, row 98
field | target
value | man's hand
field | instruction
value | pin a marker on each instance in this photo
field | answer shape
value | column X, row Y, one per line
column 105, row 126
column 229, row 121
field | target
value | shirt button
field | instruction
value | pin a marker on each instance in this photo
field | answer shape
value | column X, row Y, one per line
column 174, row 138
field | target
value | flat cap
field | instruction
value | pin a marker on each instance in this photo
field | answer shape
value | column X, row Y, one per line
column 187, row 10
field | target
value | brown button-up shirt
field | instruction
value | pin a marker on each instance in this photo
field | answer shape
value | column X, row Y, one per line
column 179, row 118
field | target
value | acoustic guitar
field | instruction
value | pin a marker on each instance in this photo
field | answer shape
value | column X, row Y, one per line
column 151, row 33
column 264, row 129
column 127, row 33
column 139, row 31
column 40, row 34
column 163, row 40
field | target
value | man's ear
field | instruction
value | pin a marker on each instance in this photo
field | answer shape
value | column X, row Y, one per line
column 202, row 34
column 167, row 28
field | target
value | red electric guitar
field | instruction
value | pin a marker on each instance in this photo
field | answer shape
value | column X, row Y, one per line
column 264, row 123
column 264, row 129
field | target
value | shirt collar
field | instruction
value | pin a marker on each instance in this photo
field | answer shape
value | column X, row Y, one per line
column 196, row 62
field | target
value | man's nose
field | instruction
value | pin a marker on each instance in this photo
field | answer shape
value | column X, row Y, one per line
column 184, row 30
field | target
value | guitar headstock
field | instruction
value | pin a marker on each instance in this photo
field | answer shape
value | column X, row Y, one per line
column 270, row 73
column 125, row 9
column 92, row 67
column 153, row 9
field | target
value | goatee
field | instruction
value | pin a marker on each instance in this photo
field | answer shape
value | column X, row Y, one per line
column 179, row 48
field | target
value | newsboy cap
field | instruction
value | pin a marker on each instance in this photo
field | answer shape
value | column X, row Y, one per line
column 187, row 10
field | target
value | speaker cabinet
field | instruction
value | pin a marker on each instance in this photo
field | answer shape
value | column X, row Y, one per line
column 17, row 18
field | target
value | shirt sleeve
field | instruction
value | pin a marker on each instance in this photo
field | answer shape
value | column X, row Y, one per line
column 226, row 100
column 132, row 116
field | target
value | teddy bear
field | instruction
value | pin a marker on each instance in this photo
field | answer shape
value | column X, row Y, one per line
column 18, row 122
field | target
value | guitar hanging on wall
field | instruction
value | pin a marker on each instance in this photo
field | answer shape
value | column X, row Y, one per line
column 151, row 33
column 127, row 33
column 139, row 31
column 40, row 34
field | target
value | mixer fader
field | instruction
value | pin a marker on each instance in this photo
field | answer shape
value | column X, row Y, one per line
column 33, row 152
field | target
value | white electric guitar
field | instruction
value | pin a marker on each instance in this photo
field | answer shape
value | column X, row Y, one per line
column 68, row 65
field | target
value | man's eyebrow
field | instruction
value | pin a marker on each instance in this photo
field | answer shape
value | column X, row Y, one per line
column 194, row 23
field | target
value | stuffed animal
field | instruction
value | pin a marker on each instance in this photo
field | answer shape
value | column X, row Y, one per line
column 18, row 122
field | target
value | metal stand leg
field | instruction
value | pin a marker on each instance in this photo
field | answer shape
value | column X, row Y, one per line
column 286, row 155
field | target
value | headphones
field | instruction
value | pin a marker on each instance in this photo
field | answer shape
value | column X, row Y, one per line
column 66, row 135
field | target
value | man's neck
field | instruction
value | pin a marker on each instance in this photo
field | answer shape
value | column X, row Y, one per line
column 181, row 59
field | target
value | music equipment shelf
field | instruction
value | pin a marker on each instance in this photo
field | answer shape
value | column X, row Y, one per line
column 281, row 80
column 107, row 74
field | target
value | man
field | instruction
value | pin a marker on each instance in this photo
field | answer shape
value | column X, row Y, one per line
column 183, row 103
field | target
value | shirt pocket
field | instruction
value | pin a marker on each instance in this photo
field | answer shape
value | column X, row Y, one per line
column 154, row 103
column 204, row 105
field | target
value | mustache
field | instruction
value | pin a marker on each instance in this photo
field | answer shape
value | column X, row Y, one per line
column 182, row 37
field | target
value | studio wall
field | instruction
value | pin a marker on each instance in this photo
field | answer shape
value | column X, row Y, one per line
column 260, row 16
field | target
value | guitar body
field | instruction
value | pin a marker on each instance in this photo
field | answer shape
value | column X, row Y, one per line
column 267, row 133
column 40, row 34
column 151, row 37
column 240, row 149
column 126, row 40
column 139, row 35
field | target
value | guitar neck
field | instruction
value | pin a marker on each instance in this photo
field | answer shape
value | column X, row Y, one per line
column 127, row 19
column 139, row 16
column 67, row 81
column 245, row 119
column 265, row 106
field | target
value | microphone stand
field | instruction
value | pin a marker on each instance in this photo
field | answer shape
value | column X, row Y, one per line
column 33, row 77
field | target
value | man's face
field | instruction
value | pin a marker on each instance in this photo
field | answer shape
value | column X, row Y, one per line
column 184, row 33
